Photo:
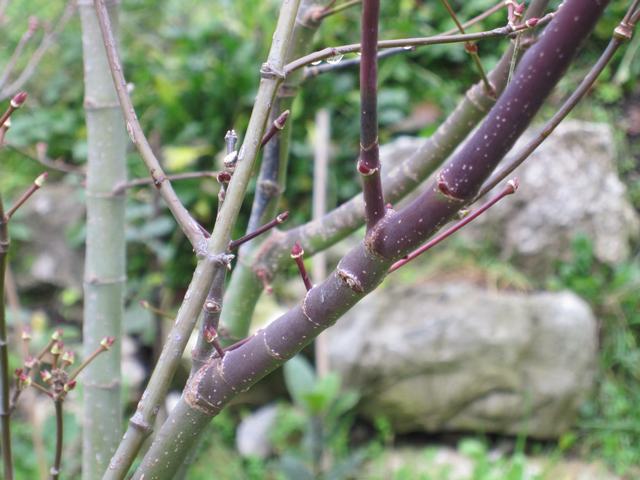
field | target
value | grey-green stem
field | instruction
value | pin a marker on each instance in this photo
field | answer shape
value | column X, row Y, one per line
column 105, row 270
column 140, row 425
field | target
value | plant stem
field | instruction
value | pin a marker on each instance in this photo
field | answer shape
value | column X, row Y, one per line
column 5, row 413
column 407, row 42
column 470, row 47
column 369, row 161
column 105, row 258
column 509, row 189
column 140, row 424
column 585, row 86
column 245, row 285
column 141, row 182
column 48, row 40
column 188, row 225
column 365, row 266
column 55, row 469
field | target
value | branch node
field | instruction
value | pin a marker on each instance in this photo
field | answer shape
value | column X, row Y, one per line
column 351, row 280
column 268, row 71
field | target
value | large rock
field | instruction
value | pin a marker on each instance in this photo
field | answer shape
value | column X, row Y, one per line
column 456, row 357
column 569, row 187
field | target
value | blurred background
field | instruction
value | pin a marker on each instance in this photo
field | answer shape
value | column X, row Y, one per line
column 515, row 354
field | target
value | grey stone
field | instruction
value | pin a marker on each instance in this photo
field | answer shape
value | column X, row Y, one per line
column 252, row 436
column 568, row 187
column 457, row 357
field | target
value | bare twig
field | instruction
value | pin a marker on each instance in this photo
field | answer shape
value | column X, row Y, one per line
column 472, row 49
column 413, row 42
column 33, row 188
column 143, row 182
column 329, row 10
column 17, row 53
column 281, row 218
column 277, row 126
column 511, row 188
column 184, row 219
column 48, row 40
column 369, row 161
column 621, row 35
column 297, row 253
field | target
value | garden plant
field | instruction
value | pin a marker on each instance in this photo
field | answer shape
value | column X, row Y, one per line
column 457, row 174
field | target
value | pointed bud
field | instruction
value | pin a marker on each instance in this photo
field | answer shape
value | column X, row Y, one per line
column 30, row 362
column 56, row 348
column 70, row 386
column 18, row 372
column 46, row 376
column 297, row 251
column 513, row 185
column 224, row 177
column 107, row 342
column 56, row 335
column 210, row 334
column 18, row 99
column 519, row 10
column 26, row 334
column 24, row 381
column 532, row 22
column 68, row 357
column 39, row 181
column 281, row 218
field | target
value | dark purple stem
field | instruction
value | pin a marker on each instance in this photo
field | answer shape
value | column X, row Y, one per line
column 511, row 188
column 281, row 218
column 369, row 162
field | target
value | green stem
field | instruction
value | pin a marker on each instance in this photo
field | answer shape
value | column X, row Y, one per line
column 5, row 413
column 244, row 288
column 105, row 270
column 140, row 424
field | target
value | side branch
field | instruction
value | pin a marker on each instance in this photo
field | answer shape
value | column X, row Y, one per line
column 414, row 42
column 186, row 222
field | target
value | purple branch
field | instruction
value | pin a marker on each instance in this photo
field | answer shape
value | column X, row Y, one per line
column 369, row 162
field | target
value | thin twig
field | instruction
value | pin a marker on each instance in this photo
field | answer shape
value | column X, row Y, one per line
column 615, row 43
column 511, row 188
column 297, row 253
column 184, row 219
column 332, row 10
column 281, row 218
column 277, row 126
column 369, row 161
column 17, row 53
column 411, row 42
column 472, row 49
column 5, row 410
column 33, row 188
column 55, row 469
column 315, row 70
column 142, row 182
column 48, row 40
column 477, row 19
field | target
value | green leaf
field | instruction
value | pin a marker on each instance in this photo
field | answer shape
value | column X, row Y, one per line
column 300, row 379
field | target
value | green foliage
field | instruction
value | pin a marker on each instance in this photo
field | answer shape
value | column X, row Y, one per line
column 312, row 438
column 610, row 423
